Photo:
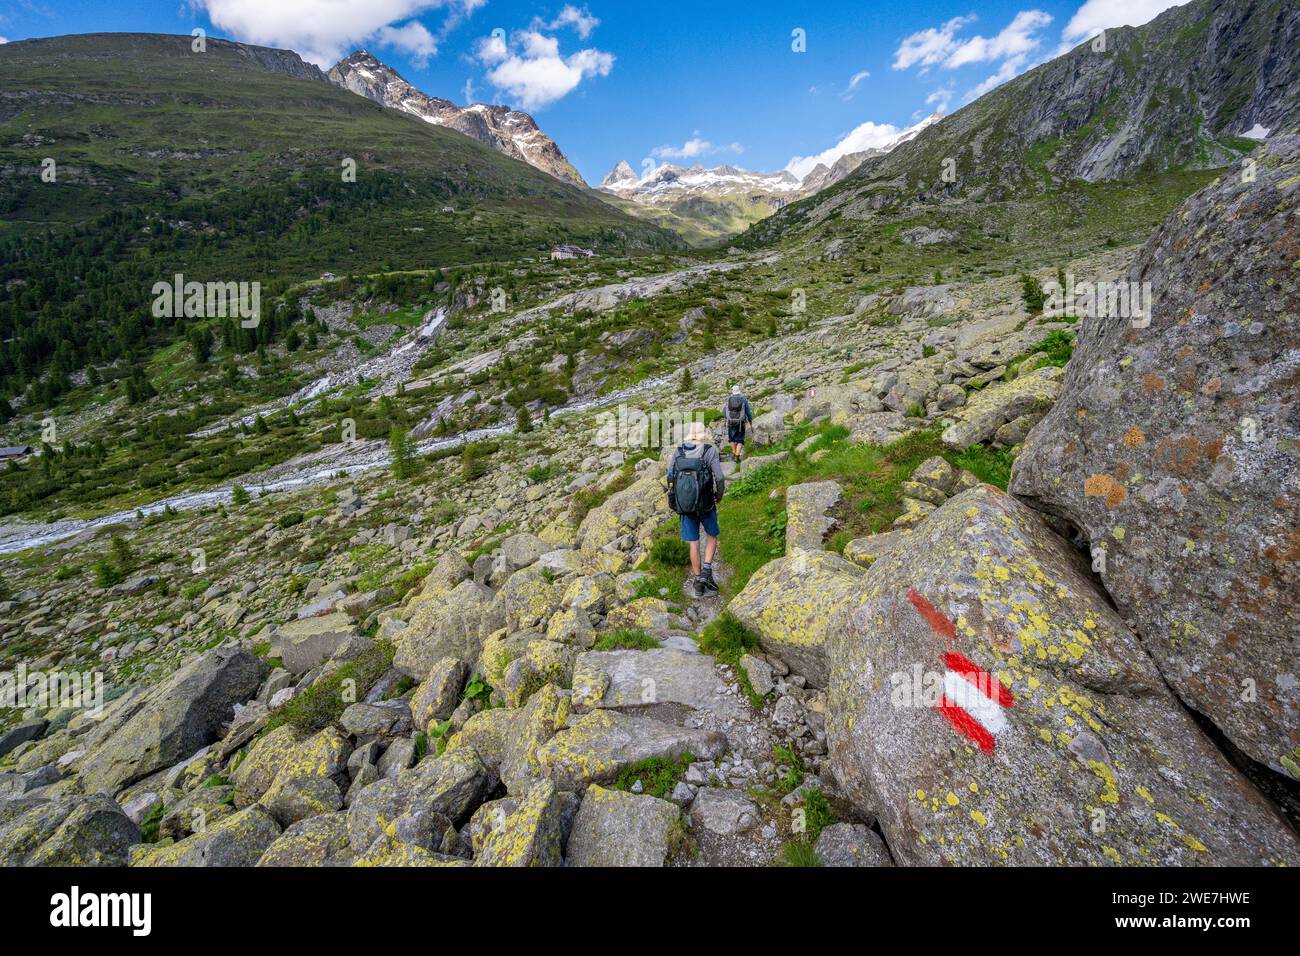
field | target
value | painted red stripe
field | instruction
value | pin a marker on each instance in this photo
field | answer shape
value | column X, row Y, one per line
column 986, row 683
column 965, row 724
column 933, row 616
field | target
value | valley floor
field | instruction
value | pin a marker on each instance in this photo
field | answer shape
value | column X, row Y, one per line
column 545, row 564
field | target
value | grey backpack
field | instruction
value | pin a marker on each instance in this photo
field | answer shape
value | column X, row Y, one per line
column 735, row 409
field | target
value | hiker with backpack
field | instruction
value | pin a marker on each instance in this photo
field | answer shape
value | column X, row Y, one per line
column 738, row 414
column 695, row 486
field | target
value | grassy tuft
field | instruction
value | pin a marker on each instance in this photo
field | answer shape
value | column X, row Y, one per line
column 658, row 775
column 727, row 640
column 626, row 640
column 671, row 551
column 325, row 701
column 798, row 853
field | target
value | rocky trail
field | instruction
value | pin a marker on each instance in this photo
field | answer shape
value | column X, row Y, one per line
column 921, row 668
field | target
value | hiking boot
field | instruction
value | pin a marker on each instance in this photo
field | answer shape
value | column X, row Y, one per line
column 706, row 581
column 698, row 585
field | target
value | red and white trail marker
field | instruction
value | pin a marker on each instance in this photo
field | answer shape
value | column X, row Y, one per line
column 974, row 701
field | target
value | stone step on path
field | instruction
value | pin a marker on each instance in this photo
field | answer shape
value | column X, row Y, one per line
column 703, row 610
column 695, row 692
column 650, row 680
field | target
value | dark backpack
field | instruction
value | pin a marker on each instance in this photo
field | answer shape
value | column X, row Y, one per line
column 692, row 490
column 735, row 409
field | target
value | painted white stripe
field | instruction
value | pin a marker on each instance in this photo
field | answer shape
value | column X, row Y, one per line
column 968, row 697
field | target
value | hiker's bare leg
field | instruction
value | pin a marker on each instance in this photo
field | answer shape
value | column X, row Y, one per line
column 695, row 557
column 710, row 549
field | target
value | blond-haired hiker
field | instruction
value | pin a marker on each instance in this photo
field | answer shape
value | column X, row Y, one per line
column 695, row 486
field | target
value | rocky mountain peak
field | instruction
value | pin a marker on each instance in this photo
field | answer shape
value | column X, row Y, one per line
column 508, row 131
column 622, row 173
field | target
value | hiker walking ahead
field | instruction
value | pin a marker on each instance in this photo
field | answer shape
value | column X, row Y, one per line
column 695, row 486
column 738, row 415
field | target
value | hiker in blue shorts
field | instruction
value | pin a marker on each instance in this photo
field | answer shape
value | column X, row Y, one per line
column 738, row 414
column 695, row 486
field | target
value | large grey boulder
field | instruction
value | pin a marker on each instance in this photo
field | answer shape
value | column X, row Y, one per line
column 525, row 601
column 450, row 571
column 69, row 830
column 173, row 721
column 301, row 798
column 988, row 705
column 789, row 602
column 286, row 754
column 615, row 828
column 808, row 513
column 309, row 642
column 530, row 836
column 317, row 841
column 28, row 730
column 262, row 762
column 624, row 510
column 1173, row 449
column 865, row 551
column 521, row 550
column 507, row 740
column 195, row 811
column 389, row 851
column 768, row 428
column 851, row 844
column 439, row 628
column 237, row 840
column 993, row 406
column 724, row 812
column 594, row 748
column 439, row 693
column 630, row 680
column 449, row 786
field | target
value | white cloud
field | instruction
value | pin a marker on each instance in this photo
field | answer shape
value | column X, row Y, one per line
column 941, row 46
column 413, row 39
column 581, row 20
column 1097, row 15
column 693, row 148
column 940, row 98
column 1009, row 70
column 930, row 46
column 1015, row 40
column 322, row 31
column 533, row 72
column 1015, row 49
column 4, row 39
column 492, row 49
column 537, row 45
column 854, row 81
column 866, row 136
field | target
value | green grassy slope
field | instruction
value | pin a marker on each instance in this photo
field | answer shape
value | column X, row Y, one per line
column 1084, row 136
column 227, row 165
column 701, row 221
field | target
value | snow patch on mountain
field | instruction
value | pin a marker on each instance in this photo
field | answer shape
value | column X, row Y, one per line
column 667, row 184
column 508, row 131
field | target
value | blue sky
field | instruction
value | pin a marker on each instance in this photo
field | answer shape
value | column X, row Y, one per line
column 669, row 80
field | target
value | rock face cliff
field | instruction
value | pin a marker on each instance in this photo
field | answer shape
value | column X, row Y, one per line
column 508, row 131
column 1188, row 90
column 1173, row 447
